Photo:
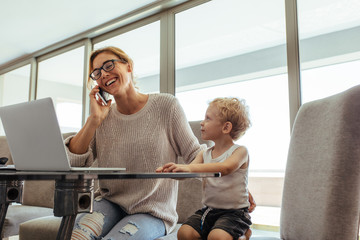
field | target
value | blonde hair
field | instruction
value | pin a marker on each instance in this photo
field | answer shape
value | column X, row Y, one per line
column 114, row 50
column 236, row 111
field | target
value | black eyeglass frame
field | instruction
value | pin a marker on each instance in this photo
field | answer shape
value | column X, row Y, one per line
column 102, row 67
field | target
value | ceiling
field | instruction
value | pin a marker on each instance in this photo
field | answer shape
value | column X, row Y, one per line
column 28, row 26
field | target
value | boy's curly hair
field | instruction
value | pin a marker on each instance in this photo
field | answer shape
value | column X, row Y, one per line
column 235, row 111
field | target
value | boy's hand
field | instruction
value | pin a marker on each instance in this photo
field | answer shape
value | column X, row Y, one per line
column 172, row 167
column 252, row 203
column 159, row 169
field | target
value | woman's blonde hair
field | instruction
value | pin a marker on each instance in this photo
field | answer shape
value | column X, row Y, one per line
column 236, row 111
column 114, row 50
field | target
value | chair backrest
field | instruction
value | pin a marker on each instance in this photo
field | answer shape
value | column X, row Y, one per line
column 189, row 195
column 321, row 197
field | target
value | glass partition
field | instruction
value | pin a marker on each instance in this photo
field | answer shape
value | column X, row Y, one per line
column 329, row 34
column 238, row 50
column 61, row 78
column 143, row 46
column 14, row 88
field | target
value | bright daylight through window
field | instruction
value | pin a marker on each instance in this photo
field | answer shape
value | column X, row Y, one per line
column 65, row 87
column 14, row 88
column 239, row 52
column 145, row 54
column 329, row 34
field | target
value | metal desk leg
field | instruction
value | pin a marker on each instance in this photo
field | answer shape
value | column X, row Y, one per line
column 66, row 227
column 10, row 191
column 4, row 208
column 72, row 197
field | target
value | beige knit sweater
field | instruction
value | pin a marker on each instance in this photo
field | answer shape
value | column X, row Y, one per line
column 141, row 142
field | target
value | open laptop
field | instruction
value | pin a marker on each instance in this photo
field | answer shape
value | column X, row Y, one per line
column 35, row 139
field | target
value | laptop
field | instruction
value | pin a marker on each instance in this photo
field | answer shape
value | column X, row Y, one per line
column 35, row 140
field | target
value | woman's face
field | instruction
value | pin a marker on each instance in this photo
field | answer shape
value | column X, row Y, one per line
column 116, row 79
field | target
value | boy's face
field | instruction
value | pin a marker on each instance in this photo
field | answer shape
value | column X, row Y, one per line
column 211, row 126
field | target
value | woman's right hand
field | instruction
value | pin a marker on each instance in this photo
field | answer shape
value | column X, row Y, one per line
column 98, row 111
column 80, row 142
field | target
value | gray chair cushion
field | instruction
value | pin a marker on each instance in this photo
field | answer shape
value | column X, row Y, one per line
column 321, row 198
column 17, row 214
column 40, row 228
column 44, row 196
column 189, row 198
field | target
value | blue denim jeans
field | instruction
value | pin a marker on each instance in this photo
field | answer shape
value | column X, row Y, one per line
column 109, row 222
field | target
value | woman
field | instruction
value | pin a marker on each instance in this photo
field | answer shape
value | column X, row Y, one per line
column 138, row 132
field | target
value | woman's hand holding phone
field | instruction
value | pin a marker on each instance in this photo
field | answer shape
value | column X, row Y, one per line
column 98, row 110
column 103, row 96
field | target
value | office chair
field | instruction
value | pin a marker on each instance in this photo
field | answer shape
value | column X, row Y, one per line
column 321, row 195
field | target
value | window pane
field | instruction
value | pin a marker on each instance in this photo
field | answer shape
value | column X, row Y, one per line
column 14, row 88
column 268, row 121
column 325, row 81
column 61, row 78
column 329, row 46
column 239, row 52
column 143, row 47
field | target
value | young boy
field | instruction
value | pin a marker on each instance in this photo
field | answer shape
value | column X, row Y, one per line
column 225, row 215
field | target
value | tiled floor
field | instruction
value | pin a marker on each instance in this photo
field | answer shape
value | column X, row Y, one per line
column 266, row 222
column 269, row 216
column 262, row 233
column 13, row 238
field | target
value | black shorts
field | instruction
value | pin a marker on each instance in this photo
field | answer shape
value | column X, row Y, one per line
column 233, row 221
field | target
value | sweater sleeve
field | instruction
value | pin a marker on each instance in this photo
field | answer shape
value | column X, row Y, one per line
column 81, row 160
column 183, row 140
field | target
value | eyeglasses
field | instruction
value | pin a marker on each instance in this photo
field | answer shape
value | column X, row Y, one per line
column 107, row 67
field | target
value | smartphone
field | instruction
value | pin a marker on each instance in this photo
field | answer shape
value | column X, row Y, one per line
column 104, row 96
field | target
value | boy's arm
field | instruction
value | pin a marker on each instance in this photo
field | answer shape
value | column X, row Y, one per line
column 237, row 159
column 199, row 158
column 173, row 167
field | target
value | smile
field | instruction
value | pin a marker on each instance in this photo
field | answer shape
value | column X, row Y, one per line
column 110, row 82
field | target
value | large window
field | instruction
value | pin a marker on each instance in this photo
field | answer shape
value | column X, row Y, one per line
column 143, row 47
column 329, row 46
column 238, row 50
column 268, row 137
column 61, row 78
column 328, row 80
column 14, row 88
